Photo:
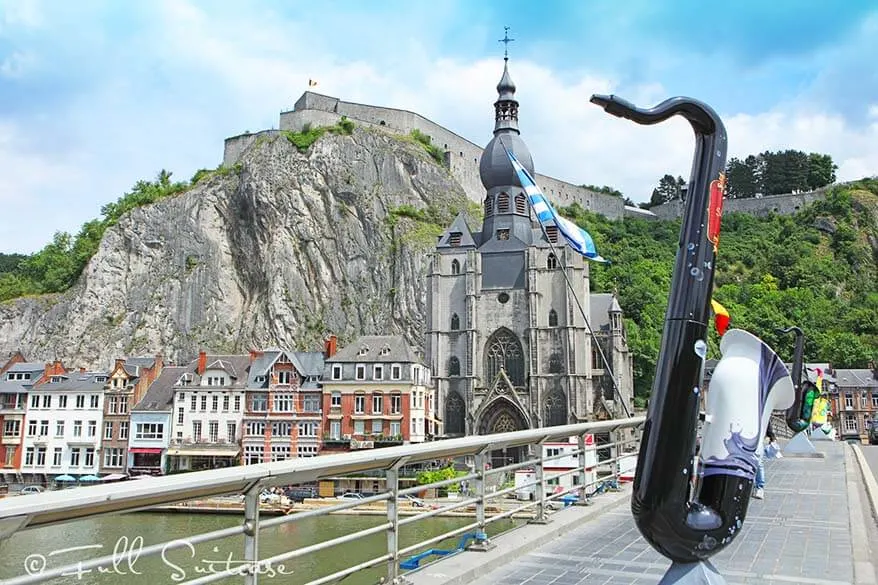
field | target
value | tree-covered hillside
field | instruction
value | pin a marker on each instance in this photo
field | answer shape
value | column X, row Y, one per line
column 816, row 269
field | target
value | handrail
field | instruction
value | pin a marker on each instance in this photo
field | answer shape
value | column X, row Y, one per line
column 62, row 506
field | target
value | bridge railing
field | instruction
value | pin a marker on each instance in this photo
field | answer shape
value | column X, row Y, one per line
column 51, row 508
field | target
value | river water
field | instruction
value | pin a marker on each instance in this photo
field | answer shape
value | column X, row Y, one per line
column 31, row 551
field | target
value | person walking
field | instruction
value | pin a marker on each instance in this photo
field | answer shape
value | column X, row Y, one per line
column 759, row 483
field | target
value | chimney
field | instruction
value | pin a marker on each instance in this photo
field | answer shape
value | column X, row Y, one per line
column 202, row 362
column 331, row 346
column 255, row 354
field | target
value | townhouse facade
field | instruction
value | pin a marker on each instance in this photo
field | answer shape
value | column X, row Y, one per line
column 854, row 402
column 19, row 379
column 208, row 413
column 127, row 383
column 64, row 418
column 283, row 410
column 377, row 392
column 152, row 425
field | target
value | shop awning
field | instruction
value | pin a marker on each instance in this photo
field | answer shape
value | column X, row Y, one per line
column 204, row 452
column 149, row 451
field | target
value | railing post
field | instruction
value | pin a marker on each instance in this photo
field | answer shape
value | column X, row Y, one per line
column 614, row 453
column 540, row 491
column 583, row 476
column 482, row 542
column 392, row 476
column 251, row 533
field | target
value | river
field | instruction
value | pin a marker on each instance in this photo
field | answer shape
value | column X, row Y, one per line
column 31, row 550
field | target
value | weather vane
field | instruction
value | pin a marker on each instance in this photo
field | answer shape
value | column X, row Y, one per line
column 506, row 40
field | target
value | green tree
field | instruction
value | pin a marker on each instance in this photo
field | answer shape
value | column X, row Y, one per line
column 821, row 170
column 668, row 189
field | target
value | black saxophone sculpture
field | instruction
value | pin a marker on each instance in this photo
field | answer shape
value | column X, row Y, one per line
column 689, row 531
column 798, row 416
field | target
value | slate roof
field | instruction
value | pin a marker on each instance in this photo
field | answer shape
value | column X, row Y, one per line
column 160, row 394
column 27, row 367
column 599, row 310
column 239, row 364
column 15, row 386
column 856, row 378
column 307, row 363
column 312, row 362
column 398, row 350
column 77, row 382
column 458, row 225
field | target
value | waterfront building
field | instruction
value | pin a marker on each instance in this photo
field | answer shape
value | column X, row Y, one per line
column 152, row 426
column 127, row 383
column 18, row 377
column 511, row 346
column 377, row 391
column 854, row 400
column 208, row 411
column 282, row 416
column 63, row 422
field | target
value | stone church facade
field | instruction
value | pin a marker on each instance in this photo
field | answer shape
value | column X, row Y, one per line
column 507, row 341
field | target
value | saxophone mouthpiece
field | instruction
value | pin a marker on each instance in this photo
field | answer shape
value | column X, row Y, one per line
column 614, row 105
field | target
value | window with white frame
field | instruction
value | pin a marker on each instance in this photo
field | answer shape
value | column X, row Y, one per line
column 204, row 403
column 34, row 401
column 359, row 427
column 44, row 428
column 59, row 428
column 123, row 429
column 10, row 455
column 283, row 403
column 89, row 457
column 306, row 451
column 255, row 428
column 41, row 456
column 180, row 415
column 361, row 372
column 77, row 428
column 395, row 403
column 237, row 404
column 47, row 401
column 281, row 429
column 225, row 403
column 92, row 428
column 377, row 426
column 216, row 381
column 80, row 401
column 377, row 404
column 232, row 430
column 259, row 402
column 213, row 431
column 74, row 457
column 113, row 457
column 253, row 454
column 308, row 429
column 196, row 431
column 32, row 428
column 283, row 377
column 335, row 429
column 108, row 430
column 12, row 428
column 56, row 457
column 395, row 428
column 335, row 400
column 149, row 431
column 395, row 372
column 29, row 456
column 864, row 400
column 62, row 401
column 336, row 372
column 378, row 372
column 850, row 424
column 311, row 402
column 848, row 401
column 93, row 401
column 280, row 452
column 360, row 403
column 214, row 407
column 194, row 403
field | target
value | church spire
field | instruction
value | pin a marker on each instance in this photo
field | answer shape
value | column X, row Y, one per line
column 506, row 107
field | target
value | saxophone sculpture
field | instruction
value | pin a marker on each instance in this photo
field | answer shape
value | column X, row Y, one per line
column 798, row 416
column 748, row 383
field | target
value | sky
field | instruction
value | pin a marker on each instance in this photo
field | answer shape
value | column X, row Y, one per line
column 98, row 94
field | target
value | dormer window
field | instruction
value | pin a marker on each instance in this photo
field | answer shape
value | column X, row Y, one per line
column 552, row 232
column 100, row 378
column 259, row 379
column 454, row 238
column 363, row 350
column 336, row 372
column 56, row 379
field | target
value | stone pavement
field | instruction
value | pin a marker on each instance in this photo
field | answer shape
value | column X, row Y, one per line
column 813, row 528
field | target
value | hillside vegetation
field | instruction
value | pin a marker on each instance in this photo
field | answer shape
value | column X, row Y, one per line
column 815, row 269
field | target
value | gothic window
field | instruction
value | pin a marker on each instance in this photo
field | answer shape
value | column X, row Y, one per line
column 552, row 232
column 553, row 318
column 503, row 350
column 453, row 366
column 504, row 424
column 489, row 206
column 455, row 410
column 555, row 409
column 520, row 204
column 455, row 267
column 555, row 363
column 455, row 322
column 551, row 262
column 503, row 203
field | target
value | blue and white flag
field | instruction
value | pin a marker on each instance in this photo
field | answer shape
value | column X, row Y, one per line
column 578, row 238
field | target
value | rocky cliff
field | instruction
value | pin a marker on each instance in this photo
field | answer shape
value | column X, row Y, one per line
column 282, row 249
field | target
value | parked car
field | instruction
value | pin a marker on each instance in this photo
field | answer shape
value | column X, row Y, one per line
column 298, row 494
column 873, row 433
column 416, row 502
column 351, row 496
column 32, row 489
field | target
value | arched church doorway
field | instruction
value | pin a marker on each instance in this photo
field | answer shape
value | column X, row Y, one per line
column 502, row 416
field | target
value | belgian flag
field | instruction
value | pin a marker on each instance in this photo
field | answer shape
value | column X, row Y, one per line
column 720, row 316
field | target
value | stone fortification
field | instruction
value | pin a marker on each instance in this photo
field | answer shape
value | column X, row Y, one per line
column 760, row 206
column 461, row 156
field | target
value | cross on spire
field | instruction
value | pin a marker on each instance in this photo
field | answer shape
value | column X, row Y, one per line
column 505, row 40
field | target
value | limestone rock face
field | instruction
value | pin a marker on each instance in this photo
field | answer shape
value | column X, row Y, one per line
column 281, row 250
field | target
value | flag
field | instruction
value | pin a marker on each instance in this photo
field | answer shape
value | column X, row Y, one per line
column 578, row 238
column 311, row 83
column 720, row 316
column 819, row 382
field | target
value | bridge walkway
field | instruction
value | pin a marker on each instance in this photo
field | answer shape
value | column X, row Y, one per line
column 814, row 527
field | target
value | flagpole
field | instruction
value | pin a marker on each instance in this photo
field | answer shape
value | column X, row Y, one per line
column 576, row 298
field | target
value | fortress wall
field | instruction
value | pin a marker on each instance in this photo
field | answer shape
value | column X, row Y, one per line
column 236, row 145
column 781, row 204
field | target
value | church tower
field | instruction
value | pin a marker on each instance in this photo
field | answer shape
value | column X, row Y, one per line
column 506, row 339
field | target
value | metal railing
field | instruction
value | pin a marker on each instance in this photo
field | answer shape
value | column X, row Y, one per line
column 21, row 513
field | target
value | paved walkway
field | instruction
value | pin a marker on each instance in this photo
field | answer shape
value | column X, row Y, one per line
column 814, row 527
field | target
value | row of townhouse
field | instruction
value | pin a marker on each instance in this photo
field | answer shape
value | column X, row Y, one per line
column 143, row 417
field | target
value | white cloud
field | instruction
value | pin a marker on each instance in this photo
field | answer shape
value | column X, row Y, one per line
column 16, row 64
column 209, row 77
column 20, row 13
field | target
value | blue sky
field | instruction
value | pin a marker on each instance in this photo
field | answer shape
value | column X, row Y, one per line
column 95, row 95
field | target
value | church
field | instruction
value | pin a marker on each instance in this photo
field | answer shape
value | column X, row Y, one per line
column 510, row 345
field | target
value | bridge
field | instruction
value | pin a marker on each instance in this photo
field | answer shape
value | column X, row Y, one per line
column 814, row 527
